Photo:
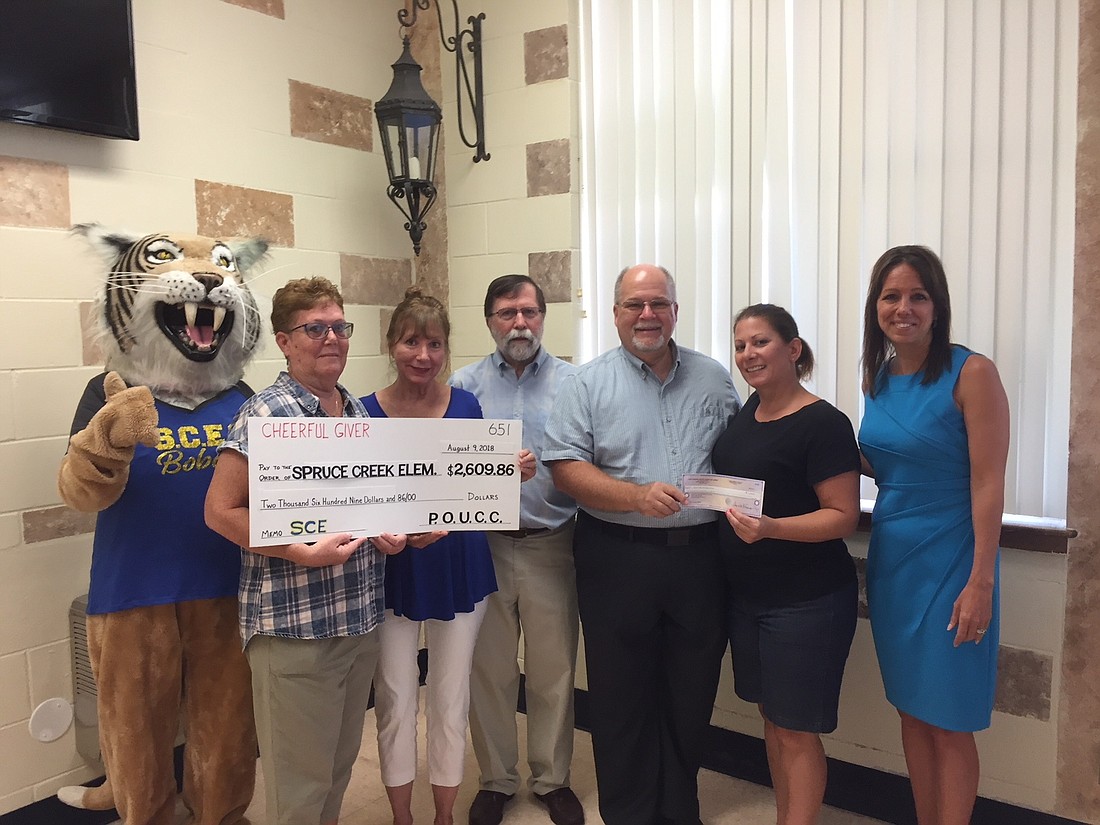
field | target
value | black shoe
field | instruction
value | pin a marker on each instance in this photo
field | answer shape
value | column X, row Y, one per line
column 488, row 807
column 563, row 805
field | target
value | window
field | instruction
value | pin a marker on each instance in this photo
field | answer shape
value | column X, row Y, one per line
column 771, row 150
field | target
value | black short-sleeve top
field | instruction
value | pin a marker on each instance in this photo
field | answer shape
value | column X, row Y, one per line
column 790, row 454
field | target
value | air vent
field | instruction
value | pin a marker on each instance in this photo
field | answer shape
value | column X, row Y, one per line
column 86, row 722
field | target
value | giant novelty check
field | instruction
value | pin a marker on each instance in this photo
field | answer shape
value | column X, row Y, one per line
column 366, row 476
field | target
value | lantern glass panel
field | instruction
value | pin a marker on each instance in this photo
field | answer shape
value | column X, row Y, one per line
column 391, row 144
column 419, row 137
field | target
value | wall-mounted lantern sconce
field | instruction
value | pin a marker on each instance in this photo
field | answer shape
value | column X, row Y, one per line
column 408, row 118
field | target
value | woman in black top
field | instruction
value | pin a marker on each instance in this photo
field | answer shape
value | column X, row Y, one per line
column 792, row 583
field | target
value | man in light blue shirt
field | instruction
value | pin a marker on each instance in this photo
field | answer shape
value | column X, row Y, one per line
column 537, row 583
column 625, row 430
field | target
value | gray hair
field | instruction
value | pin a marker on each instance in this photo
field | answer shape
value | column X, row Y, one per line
column 671, row 282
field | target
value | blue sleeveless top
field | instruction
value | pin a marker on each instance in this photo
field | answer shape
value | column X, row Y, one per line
column 451, row 575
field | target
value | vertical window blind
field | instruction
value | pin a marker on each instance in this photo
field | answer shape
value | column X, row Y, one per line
column 771, row 150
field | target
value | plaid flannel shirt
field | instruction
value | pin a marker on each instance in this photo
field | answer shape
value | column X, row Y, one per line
column 281, row 598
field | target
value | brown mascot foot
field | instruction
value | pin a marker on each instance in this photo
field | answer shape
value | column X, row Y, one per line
column 101, row 798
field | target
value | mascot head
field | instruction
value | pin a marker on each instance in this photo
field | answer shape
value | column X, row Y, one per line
column 175, row 313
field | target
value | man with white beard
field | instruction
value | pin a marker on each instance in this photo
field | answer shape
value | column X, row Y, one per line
column 537, row 583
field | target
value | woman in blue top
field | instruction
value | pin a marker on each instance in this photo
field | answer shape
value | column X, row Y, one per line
column 444, row 585
column 935, row 438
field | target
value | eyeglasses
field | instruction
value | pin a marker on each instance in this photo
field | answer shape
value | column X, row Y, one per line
column 318, row 331
column 509, row 314
column 658, row 307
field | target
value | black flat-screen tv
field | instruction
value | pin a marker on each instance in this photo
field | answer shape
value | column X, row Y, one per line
column 69, row 64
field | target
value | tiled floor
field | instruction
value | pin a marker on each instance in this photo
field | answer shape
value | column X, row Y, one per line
column 724, row 801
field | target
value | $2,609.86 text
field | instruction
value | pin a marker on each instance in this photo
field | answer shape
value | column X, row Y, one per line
column 475, row 468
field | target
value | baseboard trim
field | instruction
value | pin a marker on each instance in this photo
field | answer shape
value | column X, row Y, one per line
column 861, row 790
column 51, row 811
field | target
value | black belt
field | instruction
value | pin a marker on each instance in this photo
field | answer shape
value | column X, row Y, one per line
column 522, row 533
column 663, row 536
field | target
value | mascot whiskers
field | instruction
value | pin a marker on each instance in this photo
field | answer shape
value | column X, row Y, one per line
column 177, row 325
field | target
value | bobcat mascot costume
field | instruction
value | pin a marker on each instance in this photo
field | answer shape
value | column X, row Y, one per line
column 178, row 324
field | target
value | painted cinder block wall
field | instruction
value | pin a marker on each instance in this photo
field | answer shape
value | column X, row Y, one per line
column 256, row 118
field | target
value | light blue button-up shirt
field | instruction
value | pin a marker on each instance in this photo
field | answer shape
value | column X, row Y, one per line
column 616, row 414
column 529, row 398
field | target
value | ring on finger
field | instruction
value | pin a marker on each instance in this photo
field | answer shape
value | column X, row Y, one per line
column 981, row 631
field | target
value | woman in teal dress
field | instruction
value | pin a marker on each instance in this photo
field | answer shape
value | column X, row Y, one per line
column 935, row 438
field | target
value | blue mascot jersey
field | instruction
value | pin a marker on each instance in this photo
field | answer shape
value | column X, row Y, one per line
column 152, row 546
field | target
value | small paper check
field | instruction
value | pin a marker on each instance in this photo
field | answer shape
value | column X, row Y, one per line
column 718, row 492
column 366, row 476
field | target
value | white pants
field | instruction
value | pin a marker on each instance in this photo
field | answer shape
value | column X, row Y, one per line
column 396, row 686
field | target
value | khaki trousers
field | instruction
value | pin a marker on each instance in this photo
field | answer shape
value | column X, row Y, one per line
column 537, row 597
column 311, row 699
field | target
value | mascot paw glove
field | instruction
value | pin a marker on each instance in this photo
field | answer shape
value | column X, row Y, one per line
column 95, row 470
column 130, row 417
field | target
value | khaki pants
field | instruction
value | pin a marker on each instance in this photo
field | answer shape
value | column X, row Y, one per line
column 311, row 697
column 537, row 596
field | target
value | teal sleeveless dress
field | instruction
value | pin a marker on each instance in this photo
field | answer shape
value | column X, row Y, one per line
column 922, row 550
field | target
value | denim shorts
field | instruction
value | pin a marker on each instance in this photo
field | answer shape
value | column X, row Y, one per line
column 789, row 658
